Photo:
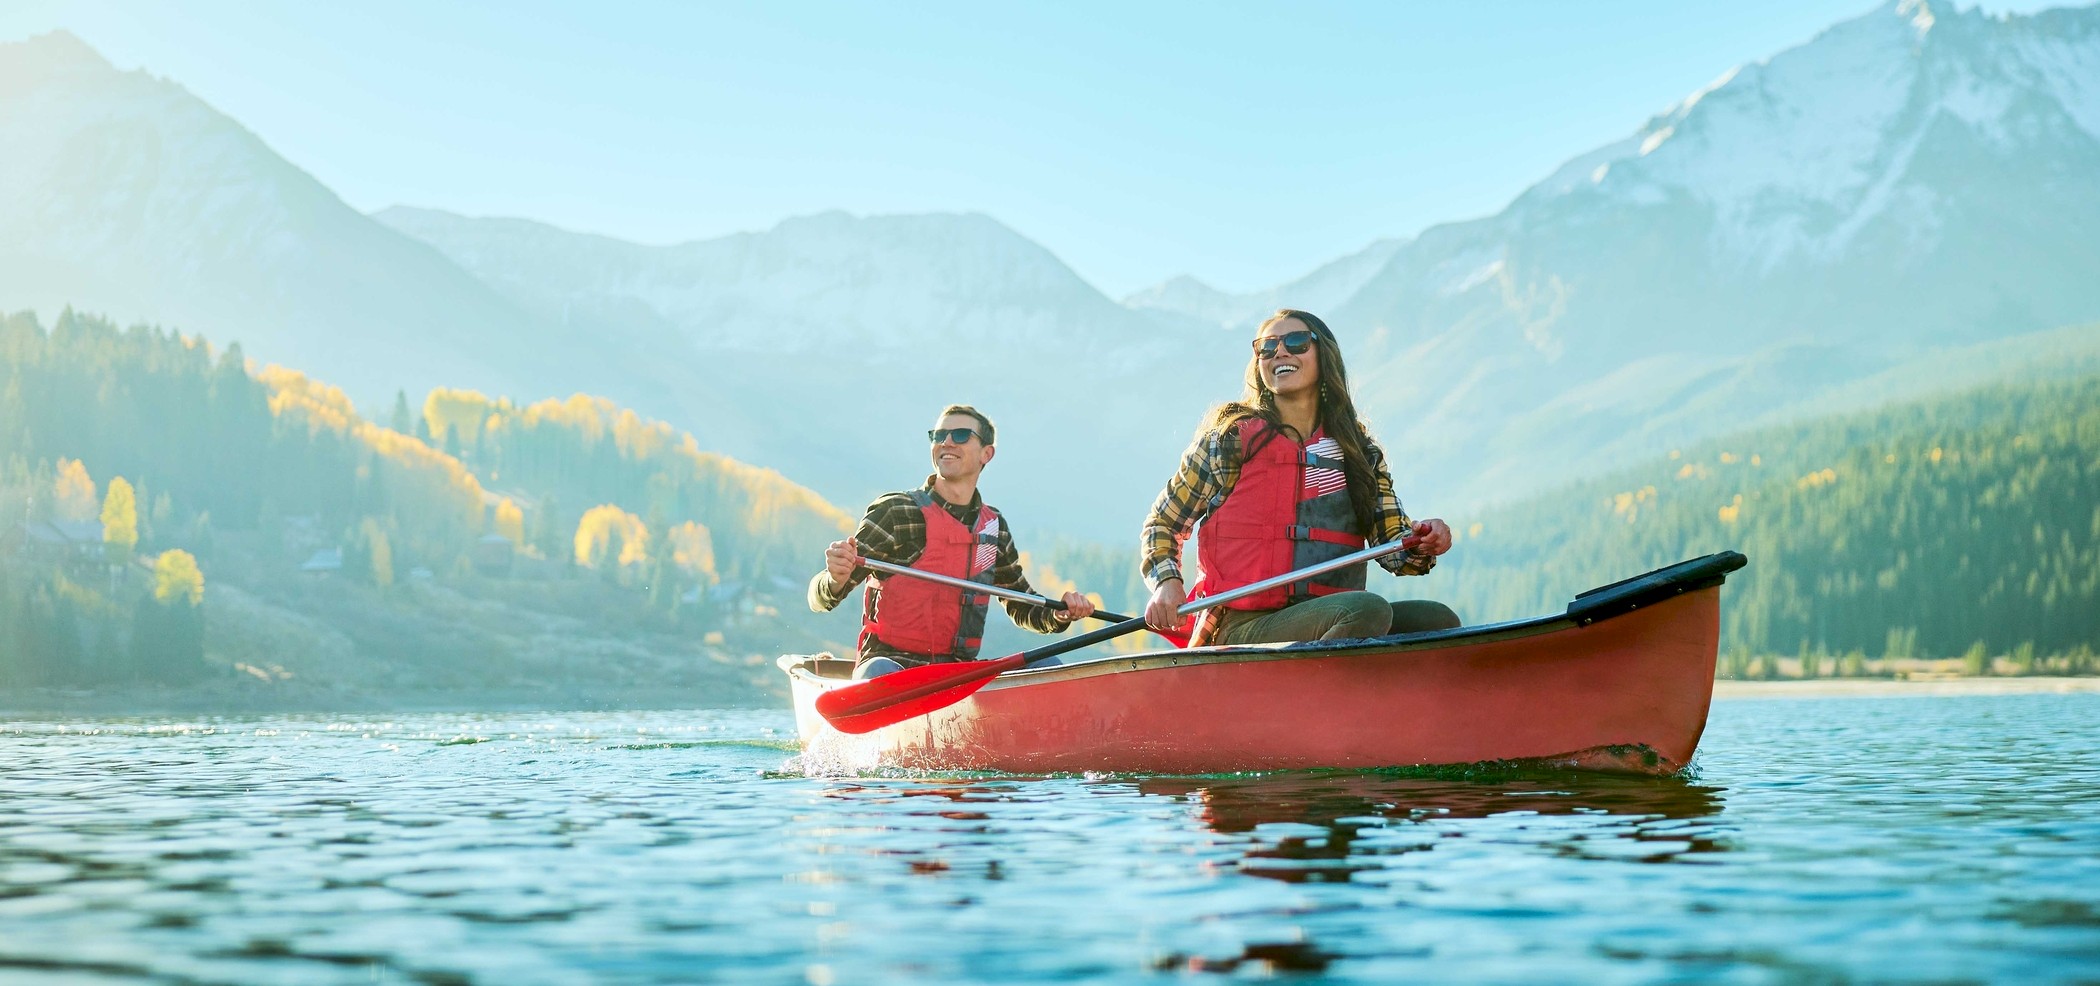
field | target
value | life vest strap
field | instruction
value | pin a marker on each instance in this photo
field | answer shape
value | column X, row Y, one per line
column 1295, row 532
column 1302, row 532
column 1300, row 590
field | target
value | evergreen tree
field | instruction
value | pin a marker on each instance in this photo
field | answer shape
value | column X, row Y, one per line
column 1910, row 531
column 402, row 421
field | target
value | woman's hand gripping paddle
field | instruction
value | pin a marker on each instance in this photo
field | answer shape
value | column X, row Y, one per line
column 866, row 706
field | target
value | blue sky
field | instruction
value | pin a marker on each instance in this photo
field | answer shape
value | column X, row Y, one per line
column 1241, row 143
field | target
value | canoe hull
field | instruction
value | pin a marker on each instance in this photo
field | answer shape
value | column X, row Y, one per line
column 1628, row 693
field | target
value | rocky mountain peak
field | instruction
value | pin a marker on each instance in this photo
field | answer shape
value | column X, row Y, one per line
column 45, row 54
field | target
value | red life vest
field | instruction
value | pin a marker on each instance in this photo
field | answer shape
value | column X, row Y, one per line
column 927, row 618
column 1289, row 509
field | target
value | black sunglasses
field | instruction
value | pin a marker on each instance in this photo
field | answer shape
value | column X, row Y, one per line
column 1294, row 343
column 960, row 436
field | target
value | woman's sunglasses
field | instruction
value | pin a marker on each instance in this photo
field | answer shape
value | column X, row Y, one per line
column 958, row 436
column 1294, row 343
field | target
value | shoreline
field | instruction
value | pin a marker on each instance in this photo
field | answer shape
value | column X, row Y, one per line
column 1729, row 690
column 57, row 703
column 146, row 702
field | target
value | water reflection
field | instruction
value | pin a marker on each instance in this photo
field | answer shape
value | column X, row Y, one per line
column 560, row 851
column 1311, row 828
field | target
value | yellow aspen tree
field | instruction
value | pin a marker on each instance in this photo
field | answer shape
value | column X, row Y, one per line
column 73, row 494
column 382, row 552
column 593, row 536
column 448, row 410
column 120, row 522
column 294, row 394
column 177, row 577
column 634, row 543
column 510, row 521
column 601, row 528
column 693, row 551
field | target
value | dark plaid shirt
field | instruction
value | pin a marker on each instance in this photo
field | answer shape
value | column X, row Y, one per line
column 894, row 530
column 1211, row 468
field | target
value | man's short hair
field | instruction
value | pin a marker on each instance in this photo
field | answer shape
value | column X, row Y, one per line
column 985, row 431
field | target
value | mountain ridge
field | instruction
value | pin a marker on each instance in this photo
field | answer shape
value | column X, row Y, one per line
column 130, row 195
column 1663, row 286
column 1951, row 226
column 848, row 278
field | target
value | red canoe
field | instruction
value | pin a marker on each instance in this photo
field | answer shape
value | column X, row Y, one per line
column 1619, row 682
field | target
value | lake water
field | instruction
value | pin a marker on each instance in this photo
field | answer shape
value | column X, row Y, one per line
column 1895, row 839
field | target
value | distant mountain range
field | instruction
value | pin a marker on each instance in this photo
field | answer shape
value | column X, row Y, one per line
column 823, row 347
column 1906, row 184
column 837, row 339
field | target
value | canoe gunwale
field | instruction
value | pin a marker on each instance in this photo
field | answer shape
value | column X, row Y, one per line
column 1590, row 607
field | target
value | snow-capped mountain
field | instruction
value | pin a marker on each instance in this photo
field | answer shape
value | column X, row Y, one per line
column 1910, row 188
column 1882, row 121
column 1911, row 180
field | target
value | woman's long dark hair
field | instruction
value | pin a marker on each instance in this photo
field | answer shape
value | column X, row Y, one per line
column 1337, row 416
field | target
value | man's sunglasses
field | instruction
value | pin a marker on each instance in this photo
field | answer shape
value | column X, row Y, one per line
column 1294, row 343
column 959, row 436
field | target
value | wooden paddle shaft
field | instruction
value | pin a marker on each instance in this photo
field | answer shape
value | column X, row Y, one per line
column 964, row 584
column 978, row 587
column 949, row 580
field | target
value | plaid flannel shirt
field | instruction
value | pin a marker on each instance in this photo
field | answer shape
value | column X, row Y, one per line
column 894, row 530
column 1211, row 468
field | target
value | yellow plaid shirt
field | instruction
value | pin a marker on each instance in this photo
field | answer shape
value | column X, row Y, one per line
column 1209, row 470
column 894, row 530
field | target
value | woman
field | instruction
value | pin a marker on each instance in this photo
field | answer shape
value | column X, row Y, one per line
column 1280, row 479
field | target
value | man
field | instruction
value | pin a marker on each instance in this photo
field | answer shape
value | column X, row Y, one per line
column 943, row 527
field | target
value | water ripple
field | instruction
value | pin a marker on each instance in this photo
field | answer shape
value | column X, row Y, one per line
column 1884, row 839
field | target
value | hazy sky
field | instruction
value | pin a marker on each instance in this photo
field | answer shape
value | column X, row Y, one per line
column 1241, row 143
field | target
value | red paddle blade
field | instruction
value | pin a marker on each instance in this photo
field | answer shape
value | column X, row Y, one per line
column 866, row 706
